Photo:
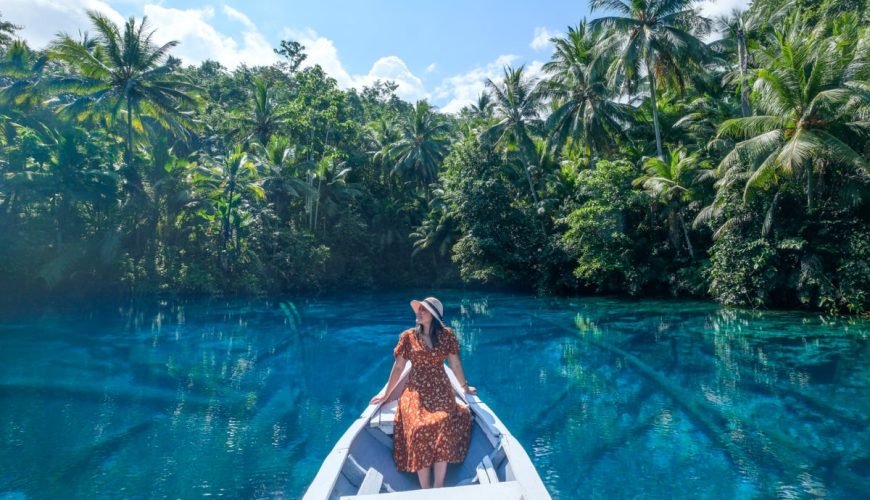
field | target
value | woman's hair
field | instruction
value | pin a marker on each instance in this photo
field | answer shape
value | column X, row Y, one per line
column 435, row 330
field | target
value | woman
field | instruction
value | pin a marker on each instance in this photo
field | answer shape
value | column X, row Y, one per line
column 430, row 428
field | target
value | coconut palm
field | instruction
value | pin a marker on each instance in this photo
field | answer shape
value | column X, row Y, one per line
column 517, row 104
column 282, row 179
column 438, row 232
column 672, row 183
column 224, row 189
column 482, row 109
column 378, row 136
column 7, row 31
column 812, row 92
column 734, row 28
column 264, row 119
column 422, row 145
column 127, row 75
column 585, row 110
column 658, row 36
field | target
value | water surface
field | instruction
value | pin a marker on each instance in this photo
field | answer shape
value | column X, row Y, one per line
column 654, row 399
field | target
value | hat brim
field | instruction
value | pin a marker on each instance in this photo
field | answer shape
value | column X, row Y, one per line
column 417, row 303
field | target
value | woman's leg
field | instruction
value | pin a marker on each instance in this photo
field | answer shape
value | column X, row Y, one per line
column 440, row 472
column 423, row 475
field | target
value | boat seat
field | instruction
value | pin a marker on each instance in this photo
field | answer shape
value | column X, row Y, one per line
column 385, row 417
column 371, row 484
column 485, row 472
column 357, row 475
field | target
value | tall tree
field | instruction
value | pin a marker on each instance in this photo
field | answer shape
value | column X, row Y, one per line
column 482, row 109
column 294, row 52
column 811, row 88
column 224, row 189
column 586, row 110
column 671, row 183
column 7, row 31
column 734, row 28
column 659, row 36
column 517, row 106
column 423, row 144
column 126, row 73
column 265, row 118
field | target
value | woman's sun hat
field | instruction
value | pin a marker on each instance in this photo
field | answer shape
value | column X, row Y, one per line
column 432, row 305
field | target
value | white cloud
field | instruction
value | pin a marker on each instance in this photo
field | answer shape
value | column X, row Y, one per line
column 42, row 20
column 199, row 40
column 238, row 16
column 542, row 37
column 322, row 51
column 431, row 68
column 714, row 8
column 393, row 68
column 463, row 89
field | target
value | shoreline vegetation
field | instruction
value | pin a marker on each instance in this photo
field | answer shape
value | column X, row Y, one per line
column 657, row 153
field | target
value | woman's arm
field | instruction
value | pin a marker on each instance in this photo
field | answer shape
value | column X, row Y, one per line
column 395, row 374
column 456, row 366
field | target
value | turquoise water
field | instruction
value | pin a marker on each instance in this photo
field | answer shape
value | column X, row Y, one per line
column 655, row 399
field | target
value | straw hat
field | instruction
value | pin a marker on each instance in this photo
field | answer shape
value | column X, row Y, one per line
column 432, row 305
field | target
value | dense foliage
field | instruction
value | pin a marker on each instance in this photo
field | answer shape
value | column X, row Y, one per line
column 651, row 157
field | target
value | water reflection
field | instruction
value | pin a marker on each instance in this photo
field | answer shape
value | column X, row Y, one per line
column 245, row 398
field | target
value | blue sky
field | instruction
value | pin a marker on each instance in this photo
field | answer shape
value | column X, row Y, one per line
column 442, row 51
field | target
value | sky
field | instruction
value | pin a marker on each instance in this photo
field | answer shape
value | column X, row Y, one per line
column 441, row 51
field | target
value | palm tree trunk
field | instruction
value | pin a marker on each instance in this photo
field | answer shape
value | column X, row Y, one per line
column 531, row 186
column 524, row 141
column 655, row 109
column 317, row 203
column 744, row 69
column 810, row 187
column 129, row 134
column 686, row 235
column 225, row 230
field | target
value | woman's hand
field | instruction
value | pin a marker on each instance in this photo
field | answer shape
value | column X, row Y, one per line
column 471, row 390
column 377, row 399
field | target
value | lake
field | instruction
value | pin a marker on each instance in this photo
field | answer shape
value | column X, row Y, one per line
column 610, row 398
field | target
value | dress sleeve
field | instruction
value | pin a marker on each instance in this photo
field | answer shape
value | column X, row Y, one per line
column 452, row 342
column 403, row 347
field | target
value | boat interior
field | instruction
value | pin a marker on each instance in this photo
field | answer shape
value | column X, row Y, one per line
column 369, row 467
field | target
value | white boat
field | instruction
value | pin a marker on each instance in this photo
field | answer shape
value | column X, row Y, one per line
column 361, row 463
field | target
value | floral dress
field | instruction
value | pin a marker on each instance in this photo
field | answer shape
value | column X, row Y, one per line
column 430, row 425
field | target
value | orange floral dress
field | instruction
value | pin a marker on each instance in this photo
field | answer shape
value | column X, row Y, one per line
column 430, row 425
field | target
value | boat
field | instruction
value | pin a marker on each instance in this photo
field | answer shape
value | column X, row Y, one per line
column 361, row 465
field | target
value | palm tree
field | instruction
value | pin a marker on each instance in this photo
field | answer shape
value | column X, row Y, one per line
column 223, row 187
column 422, row 145
column 125, row 73
column 22, row 93
column 658, row 36
column 585, row 110
column 265, row 119
column 810, row 87
column 7, row 31
column 671, row 183
column 736, row 29
column 482, row 109
column 332, row 193
column 379, row 135
column 517, row 104
column 281, row 179
column 438, row 232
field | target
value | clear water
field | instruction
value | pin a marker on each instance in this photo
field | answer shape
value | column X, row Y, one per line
column 654, row 399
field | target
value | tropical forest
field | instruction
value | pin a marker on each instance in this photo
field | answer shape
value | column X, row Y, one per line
column 658, row 153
